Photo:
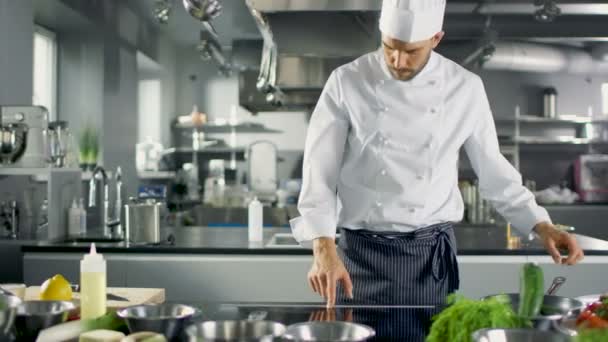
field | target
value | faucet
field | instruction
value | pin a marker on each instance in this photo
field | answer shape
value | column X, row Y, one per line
column 10, row 215
column 107, row 223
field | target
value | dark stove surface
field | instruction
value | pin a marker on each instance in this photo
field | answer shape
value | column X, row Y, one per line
column 391, row 323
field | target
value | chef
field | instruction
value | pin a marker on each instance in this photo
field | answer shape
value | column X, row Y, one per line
column 381, row 165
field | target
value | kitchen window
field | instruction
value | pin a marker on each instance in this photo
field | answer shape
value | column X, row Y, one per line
column 605, row 98
column 45, row 71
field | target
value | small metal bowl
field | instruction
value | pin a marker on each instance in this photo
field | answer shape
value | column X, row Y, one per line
column 328, row 331
column 166, row 319
column 36, row 315
column 554, row 309
column 8, row 311
column 518, row 335
column 241, row 331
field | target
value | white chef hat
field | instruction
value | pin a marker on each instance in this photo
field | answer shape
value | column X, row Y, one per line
column 412, row 20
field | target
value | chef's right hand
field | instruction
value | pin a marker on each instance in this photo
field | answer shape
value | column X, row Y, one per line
column 327, row 270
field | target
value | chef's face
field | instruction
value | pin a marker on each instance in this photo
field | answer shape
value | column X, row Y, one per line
column 406, row 60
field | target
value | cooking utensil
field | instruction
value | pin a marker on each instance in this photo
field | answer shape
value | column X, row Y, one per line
column 518, row 335
column 109, row 296
column 34, row 316
column 205, row 11
column 166, row 319
column 8, row 311
column 246, row 330
column 553, row 310
column 143, row 220
column 328, row 331
column 555, row 285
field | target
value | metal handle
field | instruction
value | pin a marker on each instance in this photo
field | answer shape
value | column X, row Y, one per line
column 556, row 285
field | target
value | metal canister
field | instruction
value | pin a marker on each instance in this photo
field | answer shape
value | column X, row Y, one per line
column 143, row 221
column 550, row 103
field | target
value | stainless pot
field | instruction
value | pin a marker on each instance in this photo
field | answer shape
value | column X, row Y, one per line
column 143, row 221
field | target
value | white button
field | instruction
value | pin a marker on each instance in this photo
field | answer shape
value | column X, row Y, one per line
column 378, row 204
column 385, row 109
column 428, row 145
column 383, row 172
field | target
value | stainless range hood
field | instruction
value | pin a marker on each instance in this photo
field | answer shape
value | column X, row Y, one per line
column 304, row 40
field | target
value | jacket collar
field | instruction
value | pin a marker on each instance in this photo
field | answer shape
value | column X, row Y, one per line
column 428, row 73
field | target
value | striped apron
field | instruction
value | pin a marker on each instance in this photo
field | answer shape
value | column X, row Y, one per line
column 391, row 268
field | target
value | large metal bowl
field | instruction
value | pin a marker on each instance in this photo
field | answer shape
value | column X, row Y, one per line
column 241, row 331
column 328, row 331
column 166, row 319
column 34, row 316
column 518, row 335
column 8, row 311
column 553, row 310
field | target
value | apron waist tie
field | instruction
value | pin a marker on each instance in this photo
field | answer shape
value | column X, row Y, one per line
column 444, row 258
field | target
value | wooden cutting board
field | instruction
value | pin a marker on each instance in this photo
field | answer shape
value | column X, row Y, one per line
column 136, row 296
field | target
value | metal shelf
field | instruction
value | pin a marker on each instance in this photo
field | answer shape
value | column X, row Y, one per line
column 564, row 119
column 18, row 171
column 552, row 141
column 207, row 150
column 156, row 174
column 243, row 127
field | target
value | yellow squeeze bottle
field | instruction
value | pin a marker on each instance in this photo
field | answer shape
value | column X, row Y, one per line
column 92, row 285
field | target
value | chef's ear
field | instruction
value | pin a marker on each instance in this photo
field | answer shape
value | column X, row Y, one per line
column 437, row 38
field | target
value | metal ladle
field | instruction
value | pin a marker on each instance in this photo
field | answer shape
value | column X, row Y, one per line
column 204, row 10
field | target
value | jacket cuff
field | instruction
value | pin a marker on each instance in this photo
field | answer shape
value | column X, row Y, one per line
column 527, row 219
column 309, row 227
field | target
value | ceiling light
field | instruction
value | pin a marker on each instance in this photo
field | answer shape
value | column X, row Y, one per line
column 547, row 12
column 162, row 11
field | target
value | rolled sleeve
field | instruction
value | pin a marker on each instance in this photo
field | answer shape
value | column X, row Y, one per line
column 499, row 182
column 323, row 155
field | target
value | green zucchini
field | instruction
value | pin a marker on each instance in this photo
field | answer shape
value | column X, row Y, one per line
column 531, row 290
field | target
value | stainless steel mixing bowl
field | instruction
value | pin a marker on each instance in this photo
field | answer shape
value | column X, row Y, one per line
column 241, row 331
column 328, row 331
column 34, row 316
column 8, row 311
column 518, row 335
column 167, row 319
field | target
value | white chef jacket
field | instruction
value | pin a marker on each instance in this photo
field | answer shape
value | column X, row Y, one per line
column 382, row 154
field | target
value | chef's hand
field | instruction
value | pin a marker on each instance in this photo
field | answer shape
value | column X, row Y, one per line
column 555, row 239
column 327, row 270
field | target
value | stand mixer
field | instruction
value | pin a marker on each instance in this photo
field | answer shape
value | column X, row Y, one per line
column 22, row 136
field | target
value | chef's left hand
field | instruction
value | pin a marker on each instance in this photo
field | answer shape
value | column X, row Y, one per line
column 554, row 239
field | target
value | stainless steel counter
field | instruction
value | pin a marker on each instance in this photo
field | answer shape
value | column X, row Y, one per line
column 224, row 240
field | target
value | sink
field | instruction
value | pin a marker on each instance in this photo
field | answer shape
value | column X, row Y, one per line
column 286, row 240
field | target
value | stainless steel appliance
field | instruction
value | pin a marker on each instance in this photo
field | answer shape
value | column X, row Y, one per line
column 591, row 177
column 23, row 131
column 143, row 220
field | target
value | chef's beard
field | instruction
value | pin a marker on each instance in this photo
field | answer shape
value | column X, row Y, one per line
column 408, row 74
